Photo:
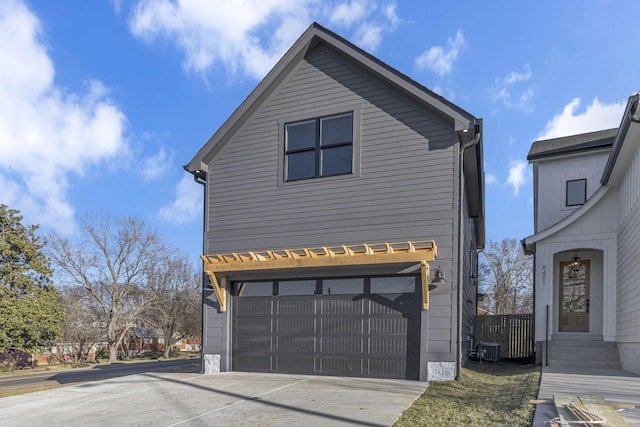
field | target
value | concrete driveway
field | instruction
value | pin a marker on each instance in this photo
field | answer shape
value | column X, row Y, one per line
column 229, row 399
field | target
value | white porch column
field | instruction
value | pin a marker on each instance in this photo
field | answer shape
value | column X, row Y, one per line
column 609, row 294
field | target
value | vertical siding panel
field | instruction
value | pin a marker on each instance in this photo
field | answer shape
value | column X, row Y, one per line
column 628, row 291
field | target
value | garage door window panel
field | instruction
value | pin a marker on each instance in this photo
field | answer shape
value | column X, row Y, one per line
column 253, row 289
column 297, row 287
column 393, row 285
column 343, row 286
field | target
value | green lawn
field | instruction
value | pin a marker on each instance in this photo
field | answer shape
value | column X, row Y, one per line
column 489, row 394
column 29, row 389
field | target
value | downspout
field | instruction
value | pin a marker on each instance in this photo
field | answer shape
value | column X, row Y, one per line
column 462, row 149
column 199, row 177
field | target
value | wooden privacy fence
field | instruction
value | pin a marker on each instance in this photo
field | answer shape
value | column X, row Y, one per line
column 514, row 333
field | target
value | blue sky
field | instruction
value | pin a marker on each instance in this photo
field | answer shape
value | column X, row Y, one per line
column 102, row 102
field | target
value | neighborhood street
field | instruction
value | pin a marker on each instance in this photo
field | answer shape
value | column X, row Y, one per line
column 98, row 372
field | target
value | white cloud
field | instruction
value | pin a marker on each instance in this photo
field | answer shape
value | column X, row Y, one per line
column 347, row 14
column 513, row 82
column 247, row 37
column 369, row 36
column 597, row 116
column 187, row 204
column 440, row 60
column 490, row 179
column 46, row 132
column 369, row 21
column 155, row 166
column 391, row 15
column 515, row 77
column 518, row 175
column 117, row 5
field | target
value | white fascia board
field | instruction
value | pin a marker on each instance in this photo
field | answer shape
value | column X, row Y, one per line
column 530, row 241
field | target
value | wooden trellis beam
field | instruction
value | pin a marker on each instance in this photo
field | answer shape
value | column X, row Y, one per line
column 421, row 252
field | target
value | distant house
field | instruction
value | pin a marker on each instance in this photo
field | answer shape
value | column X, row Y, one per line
column 140, row 340
column 482, row 312
column 586, row 241
column 344, row 208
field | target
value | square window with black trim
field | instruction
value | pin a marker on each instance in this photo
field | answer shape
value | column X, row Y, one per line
column 576, row 192
column 319, row 147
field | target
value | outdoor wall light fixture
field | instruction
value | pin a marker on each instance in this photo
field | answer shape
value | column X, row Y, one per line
column 438, row 277
column 576, row 262
column 575, row 266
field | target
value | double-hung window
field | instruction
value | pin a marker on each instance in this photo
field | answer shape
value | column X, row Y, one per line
column 319, row 147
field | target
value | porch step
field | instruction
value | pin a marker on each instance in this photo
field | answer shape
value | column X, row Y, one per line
column 586, row 364
column 584, row 354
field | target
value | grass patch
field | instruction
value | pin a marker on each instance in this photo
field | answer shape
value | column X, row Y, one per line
column 30, row 370
column 144, row 357
column 29, row 389
column 488, row 394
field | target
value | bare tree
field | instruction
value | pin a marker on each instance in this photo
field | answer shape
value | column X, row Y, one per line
column 176, row 311
column 112, row 263
column 192, row 319
column 83, row 324
column 506, row 278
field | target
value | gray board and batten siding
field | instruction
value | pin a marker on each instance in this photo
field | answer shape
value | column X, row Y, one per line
column 403, row 187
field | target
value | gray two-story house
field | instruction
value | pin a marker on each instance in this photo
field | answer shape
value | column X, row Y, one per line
column 344, row 211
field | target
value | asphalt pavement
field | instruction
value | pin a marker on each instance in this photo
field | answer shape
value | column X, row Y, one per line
column 98, row 372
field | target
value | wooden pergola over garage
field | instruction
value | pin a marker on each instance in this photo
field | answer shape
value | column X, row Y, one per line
column 219, row 265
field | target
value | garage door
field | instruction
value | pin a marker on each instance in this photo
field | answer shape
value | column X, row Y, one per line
column 365, row 327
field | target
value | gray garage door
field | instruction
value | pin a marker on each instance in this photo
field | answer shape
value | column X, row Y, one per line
column 365, row 327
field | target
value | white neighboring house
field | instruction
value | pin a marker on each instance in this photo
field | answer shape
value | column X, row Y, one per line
column 587, row 241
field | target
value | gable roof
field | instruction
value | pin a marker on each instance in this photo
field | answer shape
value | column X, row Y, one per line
column 314, row 35
column 622, row 141
column 629, row 131
column 573, row 144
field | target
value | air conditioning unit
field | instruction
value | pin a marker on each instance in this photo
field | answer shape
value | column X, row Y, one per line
column 489, row 351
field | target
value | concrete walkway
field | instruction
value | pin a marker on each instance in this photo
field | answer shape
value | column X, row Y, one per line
column 227, row 399
column 611, row 384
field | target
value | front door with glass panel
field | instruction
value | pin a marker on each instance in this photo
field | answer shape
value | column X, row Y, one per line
column 574, row 296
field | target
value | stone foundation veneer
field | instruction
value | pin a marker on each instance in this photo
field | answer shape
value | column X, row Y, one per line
column 441, row 371
column 630, row 356
column 211, row 363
